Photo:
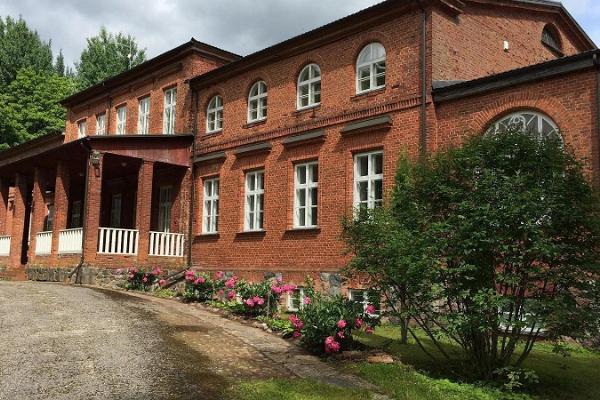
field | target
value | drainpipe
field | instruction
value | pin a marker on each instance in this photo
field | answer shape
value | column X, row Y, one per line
column 423, row 70
column 193, row 178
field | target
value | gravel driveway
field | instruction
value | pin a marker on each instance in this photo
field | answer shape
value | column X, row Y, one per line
column 67, row 342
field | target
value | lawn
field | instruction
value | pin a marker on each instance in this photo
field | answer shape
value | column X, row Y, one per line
column 561, row 378
column 297, row 389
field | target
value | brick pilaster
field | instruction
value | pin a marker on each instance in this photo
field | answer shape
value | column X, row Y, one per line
column 92, row 204
column 18, row 221
column 4, row 187
column 61, row 203
column 144, row 208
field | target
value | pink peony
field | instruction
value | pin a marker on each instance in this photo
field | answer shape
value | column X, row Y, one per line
column 296, row 322
column 230, row 283
column 277, row 289
column 145, row 279
column 358, row 323
column 259, row 301
column 279, row 279
column 307, row 301
column 331, row 346
column 219, row 275
column 231, row 295
column 296, row 334
column 156, row 271
column 199, row 281
column 190, row 275
column 371, row 309
column 249, row 302
column 340, row 334
column 341, row 324
column 162, row 283
column 369, row 330
column 220, row 293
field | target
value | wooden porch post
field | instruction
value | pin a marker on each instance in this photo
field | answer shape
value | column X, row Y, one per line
column 92, row 204
column 144, row 208
column 18, row 221
column 38, row 211
column 61, row 204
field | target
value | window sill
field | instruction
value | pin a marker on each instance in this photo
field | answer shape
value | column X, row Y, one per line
column 208, row 235
column 213, row 133
column 251, row 234
column 252, row 124
column 367, row 94
column 307, row 110
column 307, row 229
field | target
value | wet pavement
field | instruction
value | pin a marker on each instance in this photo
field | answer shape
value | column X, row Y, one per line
column 65, row 342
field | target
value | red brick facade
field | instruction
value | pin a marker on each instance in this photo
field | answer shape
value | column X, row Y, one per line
column 464, row 41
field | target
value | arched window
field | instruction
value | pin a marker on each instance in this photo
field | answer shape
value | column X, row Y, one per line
column 257, row 102
column 527, row 121
column 309, row 87
column 370, row 68
column 214, row 115
column 551, row 38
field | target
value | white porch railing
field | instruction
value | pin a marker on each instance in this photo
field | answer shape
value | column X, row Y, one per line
column 43, row 243
column 118, row 241
column 165, row 244
column 70, row 241
column 4, row 246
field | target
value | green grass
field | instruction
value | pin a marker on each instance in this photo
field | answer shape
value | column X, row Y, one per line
column 164, row 293
column 561, row 378
column 296, row 389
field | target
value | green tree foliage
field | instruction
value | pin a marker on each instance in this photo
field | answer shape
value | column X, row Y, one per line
column 30, row 108
column 492, row 246
column 107, row 55
column 59, row 64
column 20, row 48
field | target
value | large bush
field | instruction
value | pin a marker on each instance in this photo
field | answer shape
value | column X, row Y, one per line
column 140, row 279
column 492, row 245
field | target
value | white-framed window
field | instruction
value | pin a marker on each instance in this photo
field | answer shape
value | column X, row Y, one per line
column 144, row 116
column 170, row 108
column 370, row 68
column 121, row 120
column 81, row 128
column 366, row 297
column 115, row 210
column 214, row 115
column 76, row 214
column 210, row 213
column 306, row 194
column 257, row 102
column 101, row 124
column 49, row 221
column 368, row 180
column 165, row 206
column 255, row 192
column 309, row 87
column 529, row 121
column 295, row 300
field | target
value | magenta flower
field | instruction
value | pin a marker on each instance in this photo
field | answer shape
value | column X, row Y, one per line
column 340, row 334
column 279, row 279
column 162, row 283
column 296, row 322
column 156, row 271
column 220, row 293
column 259, row 301
column 358, row 323
column 277, row 289
column 341, row 324
column 145, row 279
column 230, row 284
column 369, row 330
column 231, row 295
column 249, row 302
column 219, row 275
column 307, row 301
column 199, row 281
column 190, row 275
column 296, row 334
column 371, row 309
column 331, row 346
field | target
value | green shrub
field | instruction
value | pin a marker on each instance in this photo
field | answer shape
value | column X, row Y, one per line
column 201, row 287
column 277, row 325
column 139, row 279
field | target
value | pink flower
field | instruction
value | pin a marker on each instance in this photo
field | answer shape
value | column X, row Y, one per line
column 231, row 295
column 296, row 334
column 145, row 279
column 307, row 301
column 340, row 334
column 190, row 275
column 358, row 323
column 199, row 281
column 156, row 271
column 220, row 293
column 230, row 284
column 369, row 330
column 341, row 324
column 279, row 279
column 133, row 270
column 331, row 346
column 259, row 301
column 219, row 275
column 277, row 289
column 296, row 322
column 249, row 302
column 162, row 283
column 371, row 309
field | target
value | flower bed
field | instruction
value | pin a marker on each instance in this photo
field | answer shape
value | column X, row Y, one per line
column 139, row 279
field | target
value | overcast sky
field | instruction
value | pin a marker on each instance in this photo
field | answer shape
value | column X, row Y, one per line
column 240, row 26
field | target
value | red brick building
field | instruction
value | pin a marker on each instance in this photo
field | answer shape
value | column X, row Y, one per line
column 202, row 158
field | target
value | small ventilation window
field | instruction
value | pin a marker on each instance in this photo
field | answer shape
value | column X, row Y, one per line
column 551, row 39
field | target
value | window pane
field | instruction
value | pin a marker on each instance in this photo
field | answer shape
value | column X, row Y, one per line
column 313, row 217
column 314, row 175
column 261, row 181
column 364, row 73
column 363, row 165
column 301, row 195
column 378, row 163
column 313, row 196
column 301, row 174
column 378, row 189
column 363, row 194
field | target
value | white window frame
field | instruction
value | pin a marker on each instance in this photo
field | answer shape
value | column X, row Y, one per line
column 370, row 64
column 81, row 128
column 210, row 212
column 254, row 198
column 214, row 115
column 144, row 115
column 307, row 187
column 121, row 125
column 370, row 178
column 257, row 102
column 170, row 111
column 365, row 302
column 299, row 292
column 76, row 214
column 116, row 204
column 165, row 208
column 101, row 124
column 525, row 117
column 311, row 83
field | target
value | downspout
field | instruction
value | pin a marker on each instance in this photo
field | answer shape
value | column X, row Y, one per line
column 193, row 178
column 77, row 271
column 423, row 69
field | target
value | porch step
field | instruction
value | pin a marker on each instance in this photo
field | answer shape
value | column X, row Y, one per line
column 13, row 274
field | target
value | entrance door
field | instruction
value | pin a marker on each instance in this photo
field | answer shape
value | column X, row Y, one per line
column 165, row 205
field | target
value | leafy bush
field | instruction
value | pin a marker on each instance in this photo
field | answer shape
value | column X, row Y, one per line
column 139, row 279
column 514, row 379
column 201, row 287
column 261, row 298
column 277, row 325
column 326, row 323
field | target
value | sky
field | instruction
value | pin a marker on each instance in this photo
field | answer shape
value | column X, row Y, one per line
column 240, row 26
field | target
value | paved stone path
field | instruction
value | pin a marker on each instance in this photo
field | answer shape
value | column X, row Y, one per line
column 66, row 342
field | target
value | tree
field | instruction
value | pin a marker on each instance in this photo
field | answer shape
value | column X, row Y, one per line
column 30, row 107
column 59, row 65
column 107, row 55
column 21, row 47
column 490, row 246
